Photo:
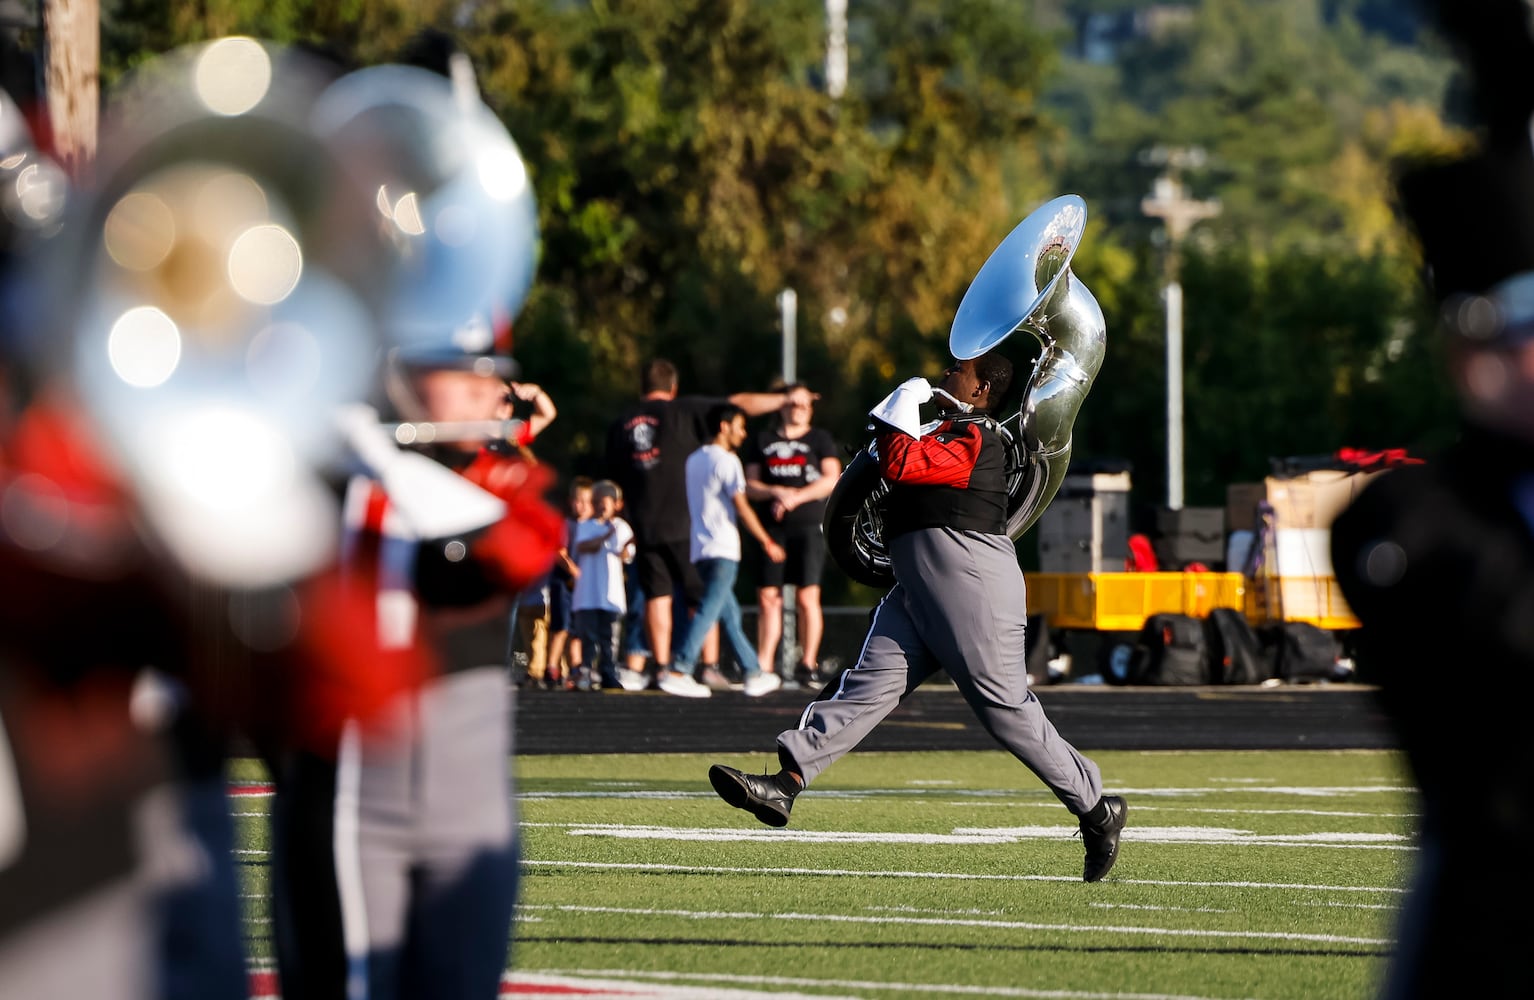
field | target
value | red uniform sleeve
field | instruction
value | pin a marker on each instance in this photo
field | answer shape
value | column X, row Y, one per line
column 334, row 670
column 520, row 548
column 930, row 461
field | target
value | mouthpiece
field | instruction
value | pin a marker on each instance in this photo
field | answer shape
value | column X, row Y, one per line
column 965, row 407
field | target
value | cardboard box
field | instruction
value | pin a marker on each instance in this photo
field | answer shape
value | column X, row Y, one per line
column 1315, row 499
column 1190, row 534
column 1300, row 552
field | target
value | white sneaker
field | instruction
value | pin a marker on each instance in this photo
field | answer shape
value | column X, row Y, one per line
column 682, row 685
column 760, row 684
column 632, row 680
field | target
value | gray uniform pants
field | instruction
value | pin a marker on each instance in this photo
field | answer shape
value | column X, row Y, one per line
column 435, row 843
column 957, row 605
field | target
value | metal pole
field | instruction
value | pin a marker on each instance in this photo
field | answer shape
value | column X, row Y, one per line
column 836, row 48
column 72, row 57
column 788, row 311
column 1174, row 436
column 1169, row 202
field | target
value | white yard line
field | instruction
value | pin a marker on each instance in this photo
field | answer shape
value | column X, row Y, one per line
column 547, row 977
column 1001, row 925
column 959, row 876
column 985, row 835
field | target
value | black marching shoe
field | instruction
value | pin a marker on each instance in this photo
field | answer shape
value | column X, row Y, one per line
column 1100, row 833
column 759, row 794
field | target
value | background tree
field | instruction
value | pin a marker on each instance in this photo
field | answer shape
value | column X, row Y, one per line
column 689, row 165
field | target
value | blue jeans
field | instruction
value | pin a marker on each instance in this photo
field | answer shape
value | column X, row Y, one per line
column 719, row 605
column 598, row 631
column 634, row 640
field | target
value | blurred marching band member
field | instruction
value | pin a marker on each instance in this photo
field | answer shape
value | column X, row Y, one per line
column 166, row 501
column 396, row 856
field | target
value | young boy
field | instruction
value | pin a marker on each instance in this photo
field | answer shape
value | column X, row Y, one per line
column 602, row 545
column 563, row 644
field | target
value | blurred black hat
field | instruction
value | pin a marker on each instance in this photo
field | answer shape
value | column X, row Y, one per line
column 1474, row 216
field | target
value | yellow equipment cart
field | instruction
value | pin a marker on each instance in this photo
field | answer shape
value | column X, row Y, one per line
column 1120, row 602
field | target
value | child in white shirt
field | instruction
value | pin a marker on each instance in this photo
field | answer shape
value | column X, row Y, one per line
column 601, row 546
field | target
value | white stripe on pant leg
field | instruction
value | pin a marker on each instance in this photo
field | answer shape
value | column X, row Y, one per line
column 348, row 861
column 873, row 621
column 13, row 821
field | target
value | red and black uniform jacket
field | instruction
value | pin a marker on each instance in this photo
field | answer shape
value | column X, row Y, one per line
column 492, row 566
column 954, row 477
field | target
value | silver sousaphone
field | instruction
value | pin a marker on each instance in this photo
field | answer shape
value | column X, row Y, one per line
column 1026, row 284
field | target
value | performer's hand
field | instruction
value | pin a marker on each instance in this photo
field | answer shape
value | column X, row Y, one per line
column 526, row 391
column 918, row 387
column 900, row 409
column 774, row 551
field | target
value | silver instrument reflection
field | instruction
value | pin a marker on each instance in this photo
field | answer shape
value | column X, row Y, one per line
column 1025, row 285
column 451, row 194
column 33, row 187
column 217, row 289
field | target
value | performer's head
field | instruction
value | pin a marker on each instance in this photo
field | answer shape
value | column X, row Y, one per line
column 981, row 382
column 464, row 380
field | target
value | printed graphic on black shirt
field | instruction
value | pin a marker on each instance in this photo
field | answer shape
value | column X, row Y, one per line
column 793, row 463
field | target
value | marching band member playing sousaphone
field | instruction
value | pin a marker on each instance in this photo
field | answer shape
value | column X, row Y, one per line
column 957, row 600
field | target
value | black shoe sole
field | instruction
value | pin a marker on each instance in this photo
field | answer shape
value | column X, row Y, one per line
column 730, row 788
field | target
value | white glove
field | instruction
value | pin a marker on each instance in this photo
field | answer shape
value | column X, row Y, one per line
column 900, row 409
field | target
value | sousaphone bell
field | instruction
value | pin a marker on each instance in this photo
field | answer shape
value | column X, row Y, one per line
column 1025, row 285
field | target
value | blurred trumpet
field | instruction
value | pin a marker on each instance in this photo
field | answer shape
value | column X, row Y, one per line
column 452, row 431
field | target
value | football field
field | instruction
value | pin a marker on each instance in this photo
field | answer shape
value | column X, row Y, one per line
column 1242, row 874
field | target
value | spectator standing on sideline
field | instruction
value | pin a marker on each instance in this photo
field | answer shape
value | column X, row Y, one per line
column 564, row 647
column 716, row 500
column 1437, row 560
column 532, row 633
column 602, row 545
column 793, row 467
column 956, row 606
column 647, row 449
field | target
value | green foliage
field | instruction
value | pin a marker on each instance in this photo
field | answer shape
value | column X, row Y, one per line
column 689, row 165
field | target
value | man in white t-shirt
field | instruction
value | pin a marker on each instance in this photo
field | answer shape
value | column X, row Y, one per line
column 716, row 503
column 601, row 546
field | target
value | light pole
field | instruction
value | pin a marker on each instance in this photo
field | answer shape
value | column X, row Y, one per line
column 1169, row 202
column 788, row 317
column 836, row 48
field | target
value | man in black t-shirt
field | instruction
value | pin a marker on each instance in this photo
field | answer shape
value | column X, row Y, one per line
column 647, row 449
column 792, row 468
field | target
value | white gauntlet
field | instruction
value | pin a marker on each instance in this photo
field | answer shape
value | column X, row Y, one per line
column 901, row 408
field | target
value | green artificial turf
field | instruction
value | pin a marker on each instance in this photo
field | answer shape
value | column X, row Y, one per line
column 1242, row 874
